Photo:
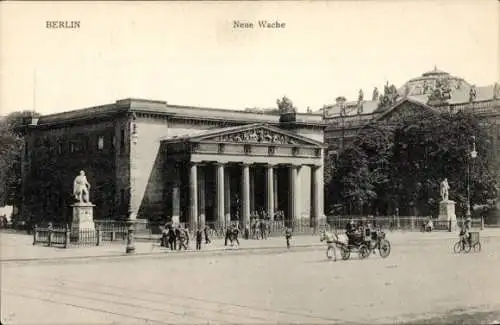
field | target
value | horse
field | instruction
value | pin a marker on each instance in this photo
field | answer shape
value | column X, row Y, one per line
column 332, row 239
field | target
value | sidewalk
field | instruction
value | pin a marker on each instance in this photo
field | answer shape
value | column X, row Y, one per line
column 18, row 247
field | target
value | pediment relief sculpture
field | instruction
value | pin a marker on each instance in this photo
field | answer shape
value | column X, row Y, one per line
column 257, row 136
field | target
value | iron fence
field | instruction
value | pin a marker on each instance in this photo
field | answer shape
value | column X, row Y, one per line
column 416, row 223
column 65, row 237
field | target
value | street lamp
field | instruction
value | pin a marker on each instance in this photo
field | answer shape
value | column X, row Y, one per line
column 473, row 155
column 131, row 213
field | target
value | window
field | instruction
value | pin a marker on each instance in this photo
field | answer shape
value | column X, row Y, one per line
column 72, row 147
column 60, row 148
column 100, row 142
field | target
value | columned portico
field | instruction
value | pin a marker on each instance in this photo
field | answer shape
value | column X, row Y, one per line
column 247, row 171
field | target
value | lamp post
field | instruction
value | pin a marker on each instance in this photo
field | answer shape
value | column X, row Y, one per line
column 473, row 155
column 130, row 249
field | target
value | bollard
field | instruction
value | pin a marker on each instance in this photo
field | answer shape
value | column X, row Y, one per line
column 113, row 235
column 449, row 225
column 35, row 231
column 482, row 223
column 99, row 234
column 67, row 237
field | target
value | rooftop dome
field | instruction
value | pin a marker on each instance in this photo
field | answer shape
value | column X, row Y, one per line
column 425, row 84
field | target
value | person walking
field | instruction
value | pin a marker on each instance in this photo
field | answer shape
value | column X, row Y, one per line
column 228, row 235
column 263, row 232
column 288, row 237
column 199, row 238
column 207, row 239
column 172, row 238
column 183, row 239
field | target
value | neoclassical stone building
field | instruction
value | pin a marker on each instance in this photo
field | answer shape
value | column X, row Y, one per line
column 161, row 161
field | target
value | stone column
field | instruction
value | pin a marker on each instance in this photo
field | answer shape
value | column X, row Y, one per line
column 245, row 190
column 294, row 193
column 176, row 196
column 227, row 197
column 220, row 194
column 193, row 196
column 201, row 196
column 270, row 191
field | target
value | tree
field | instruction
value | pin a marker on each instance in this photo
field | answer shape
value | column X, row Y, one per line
column 11, row 148
column 359, row 174
column 430, row 148
column 402, row 164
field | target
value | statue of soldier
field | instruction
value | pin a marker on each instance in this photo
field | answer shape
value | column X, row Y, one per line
column 81, row 188
column 445, row 187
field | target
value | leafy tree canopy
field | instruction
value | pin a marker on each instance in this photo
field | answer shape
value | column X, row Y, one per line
column 401, row 165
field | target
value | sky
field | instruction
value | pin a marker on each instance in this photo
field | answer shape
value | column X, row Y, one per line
column 188, row 53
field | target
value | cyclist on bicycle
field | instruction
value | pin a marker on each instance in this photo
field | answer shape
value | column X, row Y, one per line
column 465, row 234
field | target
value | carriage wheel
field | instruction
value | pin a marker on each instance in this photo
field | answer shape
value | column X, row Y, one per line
column 477, row 247
column 345, row 253
column 457, row 248
column 384, row 248
column 364, row 252
column 330, row 252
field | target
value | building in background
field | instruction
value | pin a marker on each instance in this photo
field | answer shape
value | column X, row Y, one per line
column 163, row 162
column 433, row 90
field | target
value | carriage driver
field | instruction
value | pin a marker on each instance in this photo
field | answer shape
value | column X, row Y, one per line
column 351, row 231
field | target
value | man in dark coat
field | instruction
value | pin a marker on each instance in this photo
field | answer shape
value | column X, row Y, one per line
column 172, row 238
column 199, row 238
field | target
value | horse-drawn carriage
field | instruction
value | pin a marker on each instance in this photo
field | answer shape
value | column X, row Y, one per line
column 365, row 243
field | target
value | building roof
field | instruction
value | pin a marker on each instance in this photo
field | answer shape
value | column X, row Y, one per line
column 163, row 108
column 422, row 86
column 419, row 89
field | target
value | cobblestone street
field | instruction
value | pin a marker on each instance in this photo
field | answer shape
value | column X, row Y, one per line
column 421, row 280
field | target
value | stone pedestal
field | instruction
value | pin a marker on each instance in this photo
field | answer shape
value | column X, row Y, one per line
column 447, row 213
column 82, row 225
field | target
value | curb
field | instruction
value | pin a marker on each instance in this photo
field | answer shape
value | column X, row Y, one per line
column 166, row 253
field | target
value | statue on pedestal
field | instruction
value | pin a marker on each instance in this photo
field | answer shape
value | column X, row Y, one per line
column 81, row 188
column 444, row 189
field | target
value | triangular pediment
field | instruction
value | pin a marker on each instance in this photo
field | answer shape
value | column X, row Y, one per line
column 404, row 110
column 256, row 134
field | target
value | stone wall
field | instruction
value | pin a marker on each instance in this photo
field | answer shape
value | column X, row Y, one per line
column 150, row 170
